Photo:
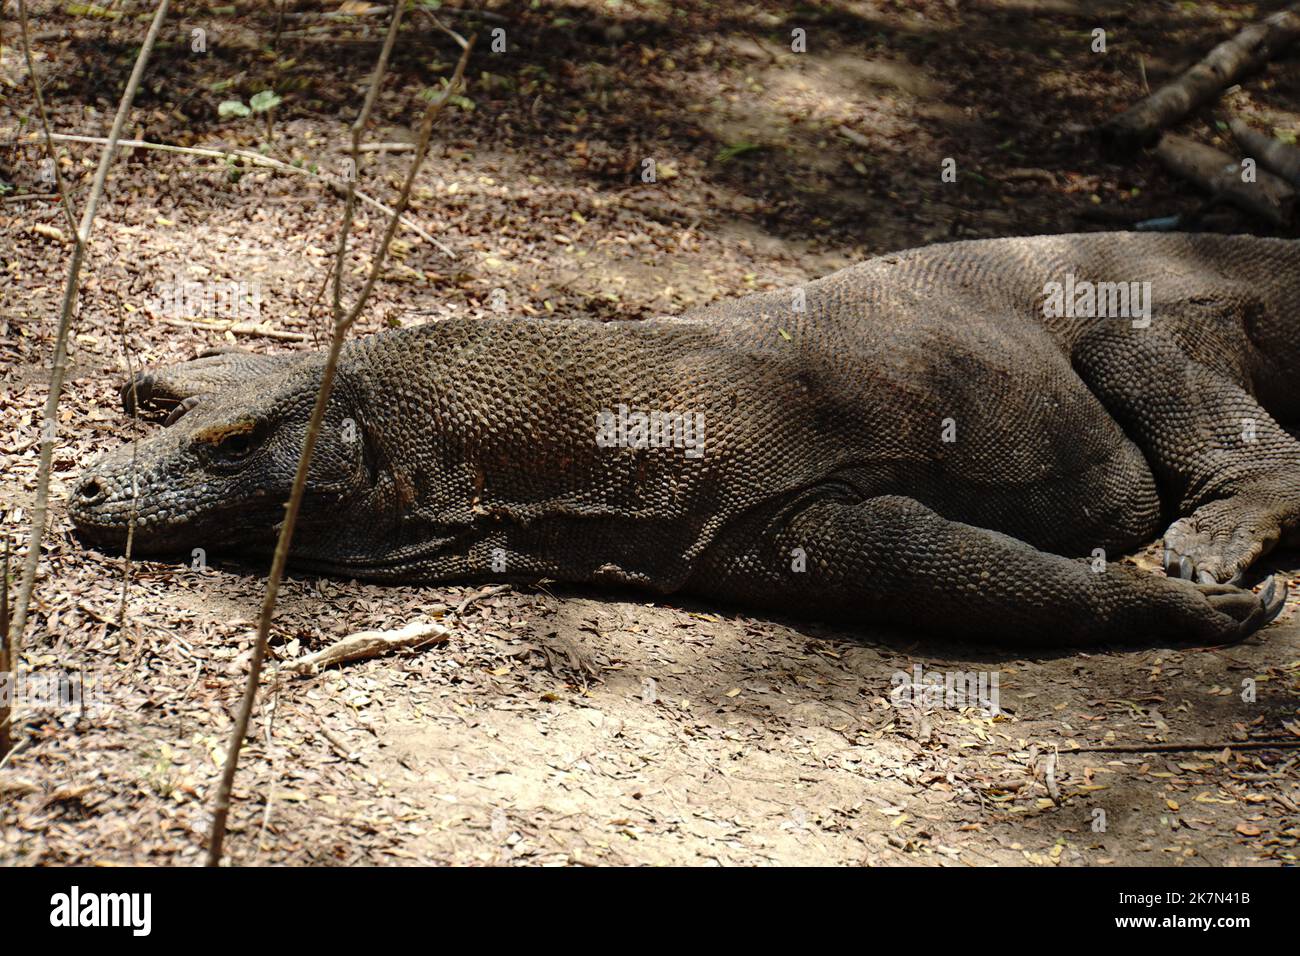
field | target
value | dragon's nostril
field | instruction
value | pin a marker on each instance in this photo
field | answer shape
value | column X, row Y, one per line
column 90, row 489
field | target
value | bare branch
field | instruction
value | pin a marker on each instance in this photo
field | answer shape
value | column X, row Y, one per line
column 422, row 147
column 40, row 510
column 135, row 490
column 6, row 671
column 1213, row 170
column 221, row 810
column 65, row 199
column 372, row 94
column 1282, row 158
column 1140, row 125
column 460, row 40
column 256, row 159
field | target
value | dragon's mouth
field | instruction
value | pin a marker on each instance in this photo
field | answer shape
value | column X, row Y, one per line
column 109, row 510
column 147, row 536
column 152, row 534
column 391, row 561
column 387, row 555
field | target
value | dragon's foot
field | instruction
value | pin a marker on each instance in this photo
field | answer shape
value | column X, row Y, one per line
column 1220, row 540
column 1250, row 610
column 168, row 392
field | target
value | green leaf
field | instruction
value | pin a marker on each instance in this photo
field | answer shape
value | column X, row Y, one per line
column 736, row 149
column 462, row 102
column 233, row 108
column 92, row 10
column 263, row 101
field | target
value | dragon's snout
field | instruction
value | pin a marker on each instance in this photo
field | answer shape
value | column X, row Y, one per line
column 106, row 500
column 90, row 507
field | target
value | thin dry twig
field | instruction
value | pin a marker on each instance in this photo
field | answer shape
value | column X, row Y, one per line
column 338, row 745
column 6, row 673
column 65, row 200
column 49, row 421
column 426, row 132
column 257, row 159
column 480, row 595
column 221, row 810
column 135, row 490
column 1279, row 744
column 272, row 708
column 460, row 40
column 238, row 328
column 354, row 169
column 1049, row 777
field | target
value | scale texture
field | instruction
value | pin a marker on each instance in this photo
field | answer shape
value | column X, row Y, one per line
column 919, row 439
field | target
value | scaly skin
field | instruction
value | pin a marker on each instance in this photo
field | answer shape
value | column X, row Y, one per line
column 911, row 439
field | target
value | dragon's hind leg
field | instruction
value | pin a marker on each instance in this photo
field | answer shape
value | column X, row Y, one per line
column 1228, row 472
column 893, row 558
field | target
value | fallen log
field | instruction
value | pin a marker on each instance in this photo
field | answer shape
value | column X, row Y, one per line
column 1213, row 170
column 1142, row 123
column 1273, row 154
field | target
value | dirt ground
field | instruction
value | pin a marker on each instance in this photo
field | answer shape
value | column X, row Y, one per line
column 560, row 725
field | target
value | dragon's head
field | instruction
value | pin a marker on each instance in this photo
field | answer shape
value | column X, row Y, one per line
column 220, row 476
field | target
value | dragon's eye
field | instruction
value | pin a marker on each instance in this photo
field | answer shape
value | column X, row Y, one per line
column 235, row 447
column 229, row 445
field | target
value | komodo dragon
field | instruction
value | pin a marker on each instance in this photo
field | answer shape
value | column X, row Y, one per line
column 919, row 439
